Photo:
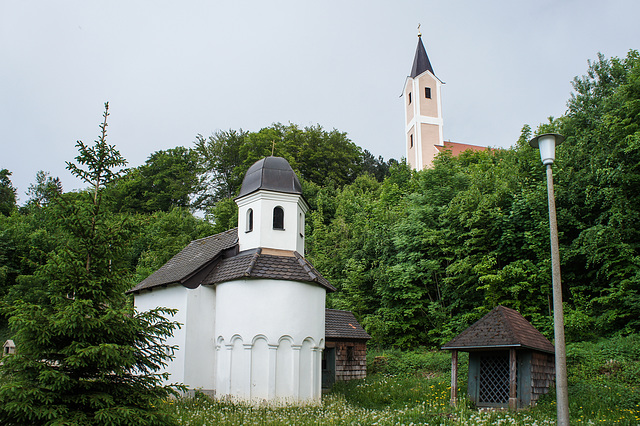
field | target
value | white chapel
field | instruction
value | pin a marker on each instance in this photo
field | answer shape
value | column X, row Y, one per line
column 252, row 307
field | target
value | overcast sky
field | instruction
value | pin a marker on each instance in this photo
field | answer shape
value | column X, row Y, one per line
column 173, row 69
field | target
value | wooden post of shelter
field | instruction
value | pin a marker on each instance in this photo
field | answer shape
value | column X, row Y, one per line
column 513, row 400
column 454, row 377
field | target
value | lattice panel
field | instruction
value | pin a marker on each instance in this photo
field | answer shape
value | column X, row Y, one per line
column 494, row 380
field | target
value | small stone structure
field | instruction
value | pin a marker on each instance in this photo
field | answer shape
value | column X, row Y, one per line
column 345, row 354
column 510, row 362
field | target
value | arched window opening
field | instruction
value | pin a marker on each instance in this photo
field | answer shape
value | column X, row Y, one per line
column 278, row 218
column 249, row 220
column 301, row 225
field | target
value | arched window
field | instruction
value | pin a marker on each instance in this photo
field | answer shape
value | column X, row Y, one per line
column 278, row 218
column 301, row 225
column 249, row 220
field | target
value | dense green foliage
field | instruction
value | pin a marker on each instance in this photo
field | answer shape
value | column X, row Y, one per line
column 7, row 193
column 326, row 158
column 421, row 255
column 166, row 180
column 83, row 355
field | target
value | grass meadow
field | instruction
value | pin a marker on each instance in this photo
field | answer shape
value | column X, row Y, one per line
column 413, row 388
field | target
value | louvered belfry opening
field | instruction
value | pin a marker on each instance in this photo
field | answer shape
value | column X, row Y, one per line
column 494, row 379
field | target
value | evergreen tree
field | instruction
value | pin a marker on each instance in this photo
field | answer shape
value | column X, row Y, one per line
column 7, row 193
column 84, row 356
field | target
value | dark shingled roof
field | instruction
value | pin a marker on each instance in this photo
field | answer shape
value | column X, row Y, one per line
column 272, row 174
column 421, row 61
column 342, row 325
column 500, row 328
column 193, row 258
column 264, row 263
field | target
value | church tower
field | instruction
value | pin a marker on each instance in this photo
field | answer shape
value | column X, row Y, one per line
column 423, row 111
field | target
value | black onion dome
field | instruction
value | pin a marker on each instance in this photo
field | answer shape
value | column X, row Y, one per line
column 271, row 174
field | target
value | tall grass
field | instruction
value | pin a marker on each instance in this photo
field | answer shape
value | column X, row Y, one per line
column 405, row 388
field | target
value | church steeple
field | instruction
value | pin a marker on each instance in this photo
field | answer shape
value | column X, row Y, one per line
column 423, row 111
column 421, row 61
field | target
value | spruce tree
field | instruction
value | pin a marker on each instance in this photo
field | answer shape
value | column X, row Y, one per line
column 85, row 356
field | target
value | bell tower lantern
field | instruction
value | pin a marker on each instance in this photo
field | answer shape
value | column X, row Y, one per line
column 271, row 209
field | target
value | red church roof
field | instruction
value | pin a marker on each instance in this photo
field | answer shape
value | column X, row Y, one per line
column 458, row 148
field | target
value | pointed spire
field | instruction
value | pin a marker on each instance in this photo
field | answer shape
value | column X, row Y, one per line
column 421, row 60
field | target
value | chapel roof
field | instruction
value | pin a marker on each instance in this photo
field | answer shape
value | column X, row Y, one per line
column 421, row 61
column 343, row 325
column 193, row 258
column 269, row 264
column 272, row 174
column 500, row 328
column 214, row 259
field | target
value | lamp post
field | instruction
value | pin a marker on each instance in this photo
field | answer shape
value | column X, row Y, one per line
column 547, row 145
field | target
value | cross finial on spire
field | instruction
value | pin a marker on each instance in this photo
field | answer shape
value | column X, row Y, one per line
column 273, row 146
column 419, row 32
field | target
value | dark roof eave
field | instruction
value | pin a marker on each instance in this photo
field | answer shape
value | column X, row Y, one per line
column 343, row 338
column 275, row 192
column 489, row 347
column 141, row 290
column 251, row 277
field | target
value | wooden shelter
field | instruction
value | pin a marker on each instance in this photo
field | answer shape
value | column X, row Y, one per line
column 510, row 362
column 8, row 348
column 345, row 353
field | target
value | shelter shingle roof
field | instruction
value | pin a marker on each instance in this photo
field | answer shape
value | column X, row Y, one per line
column 343, row 325
column 262, row 263
column 190, row 260
column 500, row 328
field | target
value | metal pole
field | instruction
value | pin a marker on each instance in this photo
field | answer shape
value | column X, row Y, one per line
column 562, row 391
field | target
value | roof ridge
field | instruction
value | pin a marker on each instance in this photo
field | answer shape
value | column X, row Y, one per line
column 306, row 266
column 508, row 324
column 253, row 262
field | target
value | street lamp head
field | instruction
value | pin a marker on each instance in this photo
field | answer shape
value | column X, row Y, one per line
column 547, row 144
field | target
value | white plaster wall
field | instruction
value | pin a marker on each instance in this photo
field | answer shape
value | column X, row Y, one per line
column 194, row 361
column 174, row 297
column 263, row 234
column 260, row 369
column 199, row 368
column 280, row 327
column 272, row 308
